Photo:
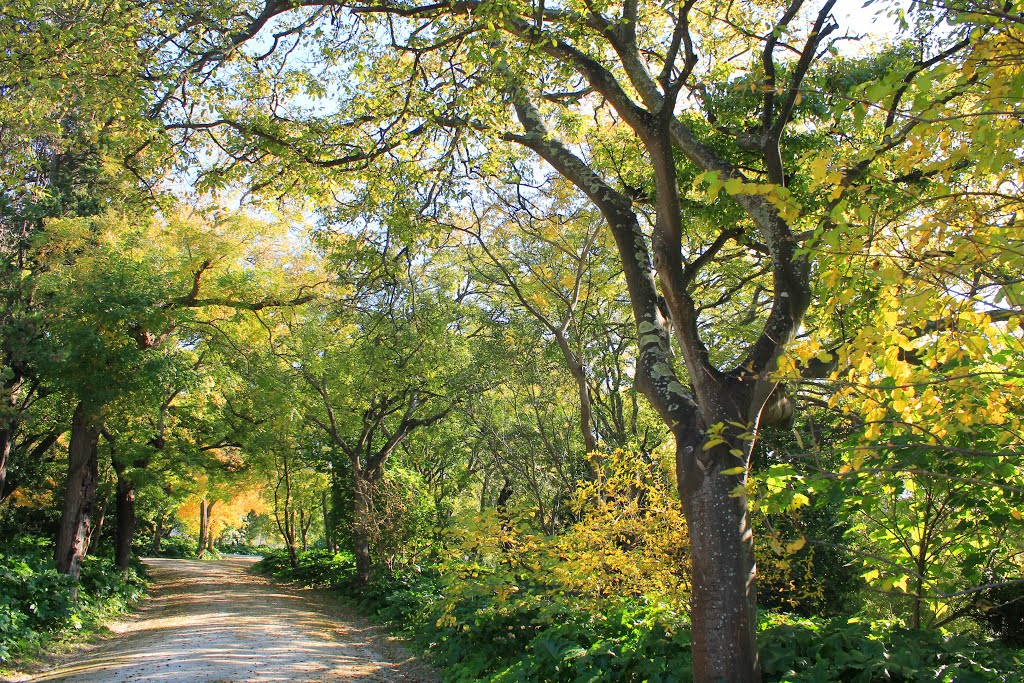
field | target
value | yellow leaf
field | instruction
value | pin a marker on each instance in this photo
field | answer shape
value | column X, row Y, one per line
column 794, row 546
column 734, row 470
column 819, row 167
column 799, row 500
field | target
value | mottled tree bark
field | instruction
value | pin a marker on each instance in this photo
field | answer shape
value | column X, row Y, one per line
column 362, row 509
column 723, row 595
column 79, row 494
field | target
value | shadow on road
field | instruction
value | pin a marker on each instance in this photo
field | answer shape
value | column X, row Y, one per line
column 214, row 621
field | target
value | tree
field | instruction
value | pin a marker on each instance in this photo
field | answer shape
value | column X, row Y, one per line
column 381, row 376
column 514, row 50
column 72, row 133
column 550, row 257
column 126, row 298
column 919, row 324
column 690, row 101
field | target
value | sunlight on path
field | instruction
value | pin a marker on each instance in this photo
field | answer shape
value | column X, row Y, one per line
column 212, row 621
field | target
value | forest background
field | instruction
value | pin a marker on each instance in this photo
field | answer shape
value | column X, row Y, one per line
column 582, row 340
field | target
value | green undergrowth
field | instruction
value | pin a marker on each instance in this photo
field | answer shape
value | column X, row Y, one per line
column 181, row 547
column 211, row 555
column 244, row 549
column 317, row 568
column 538, row 635
column 36, row 606
column 186, row 548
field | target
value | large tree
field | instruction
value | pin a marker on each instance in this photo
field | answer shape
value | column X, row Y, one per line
column 127, row 301
column 376, row 369
column 704, row 161
column 72, row 135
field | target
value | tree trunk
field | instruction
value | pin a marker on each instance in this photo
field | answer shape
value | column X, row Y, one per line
column 8, row 425
column 96, row 532
column 723, row 597
column 361, row 500
column 285, row 518
column 126, row 522
column 328, row 535
column 483, row 491
column 6, row 438
column 125, row 509
column 921, row 562
column 158, row 533
column 579, row 374
column 305, row 523
column 290, row 538
column 80, row 493
column 207, row 534
column 204, row 527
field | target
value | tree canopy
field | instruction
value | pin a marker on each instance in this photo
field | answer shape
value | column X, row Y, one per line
column 718, row 302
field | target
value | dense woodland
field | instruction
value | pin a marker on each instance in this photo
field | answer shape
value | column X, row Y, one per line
column 582, row 339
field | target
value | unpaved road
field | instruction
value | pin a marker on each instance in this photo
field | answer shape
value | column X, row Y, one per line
column 216, row 622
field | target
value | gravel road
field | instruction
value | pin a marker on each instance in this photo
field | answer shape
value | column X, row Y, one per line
column 216, row 622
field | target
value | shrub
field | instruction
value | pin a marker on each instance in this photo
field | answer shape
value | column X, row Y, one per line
column 176, row 546
column 35, row 599
column 401, row 514
column 319, row 568
column 243, row 548
column 1001, row 608
column 809, row 651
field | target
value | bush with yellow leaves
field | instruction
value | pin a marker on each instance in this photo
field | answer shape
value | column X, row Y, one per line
column 629, row 542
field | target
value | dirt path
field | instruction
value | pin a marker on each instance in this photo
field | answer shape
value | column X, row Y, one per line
column 215, row 622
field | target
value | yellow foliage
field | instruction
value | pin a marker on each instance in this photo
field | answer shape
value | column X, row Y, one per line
column 785, row 575
column 630, row 540
column 226, row 513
